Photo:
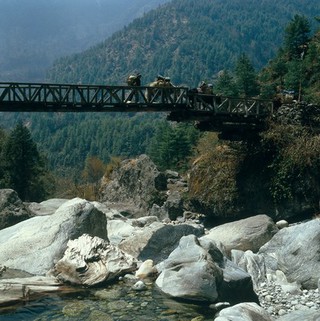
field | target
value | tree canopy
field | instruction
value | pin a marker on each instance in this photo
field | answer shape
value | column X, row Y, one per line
column 23, row 167
column 296, row 37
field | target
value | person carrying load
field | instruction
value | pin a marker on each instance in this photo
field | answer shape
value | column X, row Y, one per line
column 134, row 81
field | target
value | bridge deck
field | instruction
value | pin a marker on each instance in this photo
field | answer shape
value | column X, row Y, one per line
column 181, row 104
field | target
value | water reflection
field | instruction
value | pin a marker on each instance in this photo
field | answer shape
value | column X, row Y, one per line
column 114, row 303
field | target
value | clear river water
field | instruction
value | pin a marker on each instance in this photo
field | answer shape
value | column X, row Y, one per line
column 117, row 302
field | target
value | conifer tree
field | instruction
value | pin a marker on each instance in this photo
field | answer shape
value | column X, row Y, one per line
column 225, row 84
column 246, row 77
column 297, row 36
column 172, row 145
column 24, row 166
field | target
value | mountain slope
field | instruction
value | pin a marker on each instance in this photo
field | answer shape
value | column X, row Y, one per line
column 185, row 39
column 189, row 40
column 34, row 33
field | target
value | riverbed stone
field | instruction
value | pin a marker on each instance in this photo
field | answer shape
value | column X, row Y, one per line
column 246, row 234
column 47, row 207
column 247, row 311
column 35, row 244
column 92, row 260
column 305, row 315
column 252, row 263
column 146, row 269
column 190, row 273
column 295, row 251
column 12, row 209
column 196, row 270
column 148, row 238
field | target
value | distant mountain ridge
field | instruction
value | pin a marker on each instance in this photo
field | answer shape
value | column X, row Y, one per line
column 34, row 33
column 188, row 40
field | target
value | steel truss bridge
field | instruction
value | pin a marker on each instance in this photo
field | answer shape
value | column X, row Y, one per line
column 209, row 112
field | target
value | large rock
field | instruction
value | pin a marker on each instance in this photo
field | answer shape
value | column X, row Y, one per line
column 295, row 251
column 147, row 238
column 12, row 209
column 136, row 183
column 196, row 270
column 47, row 207
column 33, row 245
column 247, row 311
column 92, row 260
column 237, row 285
column 171, row 209
column 190, row 272
column 252, row 263
column 247, row 234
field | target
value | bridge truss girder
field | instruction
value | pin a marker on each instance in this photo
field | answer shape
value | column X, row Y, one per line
column 210, row 112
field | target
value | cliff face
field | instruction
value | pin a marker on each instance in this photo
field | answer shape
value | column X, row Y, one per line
column 235, row 190
column 301, row 114
column 135, row 186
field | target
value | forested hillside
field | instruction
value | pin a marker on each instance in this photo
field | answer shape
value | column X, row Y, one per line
column 188, row 40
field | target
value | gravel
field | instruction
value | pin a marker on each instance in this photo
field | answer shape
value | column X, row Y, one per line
column 277, row 302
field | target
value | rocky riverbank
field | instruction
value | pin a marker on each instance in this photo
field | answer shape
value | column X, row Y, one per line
column 252, row 268
column 277, row 302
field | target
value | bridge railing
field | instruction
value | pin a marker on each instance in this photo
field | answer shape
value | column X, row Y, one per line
column 89, row 96
column 231, row 106
column 77, row 97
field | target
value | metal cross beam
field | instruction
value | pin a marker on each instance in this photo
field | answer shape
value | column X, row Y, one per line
column 209, row 111
column 69, row 97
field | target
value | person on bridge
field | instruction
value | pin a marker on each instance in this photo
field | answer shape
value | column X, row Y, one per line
column 204, row 88
column 134, row 81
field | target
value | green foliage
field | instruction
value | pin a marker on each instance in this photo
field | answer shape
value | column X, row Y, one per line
column 246, row 78
column 171, row 146
column 190, row 41
column 295, row 166
column 296, row 65
column 279, row 169
column 294, row 76
column 23, row 167
column 187, row 40
column 68, row 139
column 225, row 84
column 296, row 36
column 242, row 82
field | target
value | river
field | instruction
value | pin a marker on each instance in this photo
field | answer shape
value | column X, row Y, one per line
column 117, row 302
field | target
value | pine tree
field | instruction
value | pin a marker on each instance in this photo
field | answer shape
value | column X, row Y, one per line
column 160, row 150
column 225, row 85
column 24, row 166
column 246, row 77
column 172, row 145
column 297, row 36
